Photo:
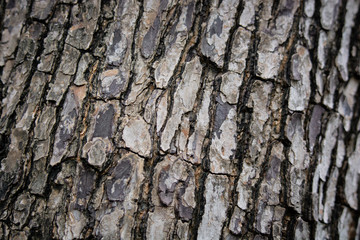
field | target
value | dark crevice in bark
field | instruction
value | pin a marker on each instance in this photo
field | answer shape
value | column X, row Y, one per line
column 275, row 8
column 244, row 120
column 354, row 68
column 229, row 42
column 19, row 185
column 203, row 170
column 200, row 203
column 255, row 203
column 47, row 88
column 286, row 77
column 335, row 217
column 29, row 6
column 145, row 204
column 199, row 99
column 212, row 111
column 313, row 53
column 308, row 203
column 2, row 15
column 212, row 65
column 125, row 95
column 188, row 49
column 332, row 167
column 100, row 32
column 3, row 139
column 350, row 142
column 289, row 223
column 91, row 74
column 171, row 22
column 339, row 30
column 243, row 138
column 180, row 67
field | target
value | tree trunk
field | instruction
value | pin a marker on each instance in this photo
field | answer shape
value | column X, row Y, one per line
column 179, row 119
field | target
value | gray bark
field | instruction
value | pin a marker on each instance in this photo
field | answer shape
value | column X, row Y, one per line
column 179, row 119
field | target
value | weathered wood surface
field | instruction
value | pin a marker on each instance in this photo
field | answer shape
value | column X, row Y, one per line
column 179, row 119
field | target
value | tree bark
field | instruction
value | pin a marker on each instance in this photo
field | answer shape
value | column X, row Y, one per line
column 182, row 119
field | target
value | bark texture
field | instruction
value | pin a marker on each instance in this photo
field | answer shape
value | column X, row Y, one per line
column 179, row 119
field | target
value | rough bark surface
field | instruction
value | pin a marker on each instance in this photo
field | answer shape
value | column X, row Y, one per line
column 179, row 119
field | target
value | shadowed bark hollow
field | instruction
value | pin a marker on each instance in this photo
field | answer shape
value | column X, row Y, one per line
column 179, row 119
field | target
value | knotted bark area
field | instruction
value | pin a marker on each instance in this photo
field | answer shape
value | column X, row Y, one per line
column 179, row 119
